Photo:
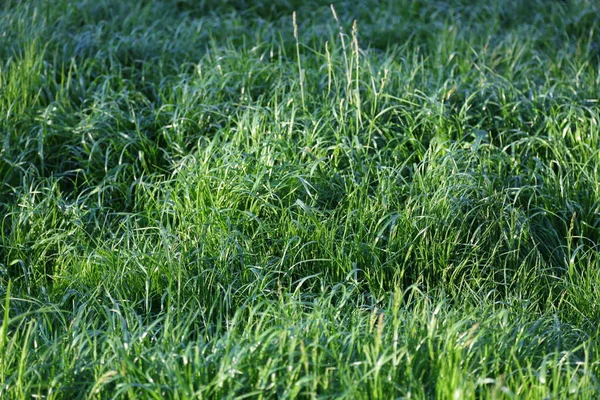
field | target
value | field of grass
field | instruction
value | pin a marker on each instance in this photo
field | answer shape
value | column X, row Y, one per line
column 239, row 199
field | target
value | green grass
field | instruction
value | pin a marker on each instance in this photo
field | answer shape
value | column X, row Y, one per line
column 240, row 199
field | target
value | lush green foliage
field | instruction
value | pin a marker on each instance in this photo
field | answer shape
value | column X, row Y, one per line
column 216, row 199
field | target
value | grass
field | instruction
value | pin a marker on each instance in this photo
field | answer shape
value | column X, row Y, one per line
column 283, row 199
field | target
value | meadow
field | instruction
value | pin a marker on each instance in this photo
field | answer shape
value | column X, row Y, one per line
column 239, row 199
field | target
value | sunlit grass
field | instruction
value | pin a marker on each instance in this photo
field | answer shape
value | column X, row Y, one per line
column 391, row 199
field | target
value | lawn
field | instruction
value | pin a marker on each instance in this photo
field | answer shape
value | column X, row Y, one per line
column 374, row 199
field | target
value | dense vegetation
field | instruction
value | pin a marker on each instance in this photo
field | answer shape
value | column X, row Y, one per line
column 233, row 199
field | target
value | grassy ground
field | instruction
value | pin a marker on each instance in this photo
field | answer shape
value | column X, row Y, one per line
column 218, row 199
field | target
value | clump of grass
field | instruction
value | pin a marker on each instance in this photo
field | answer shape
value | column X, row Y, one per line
column 292, row 199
